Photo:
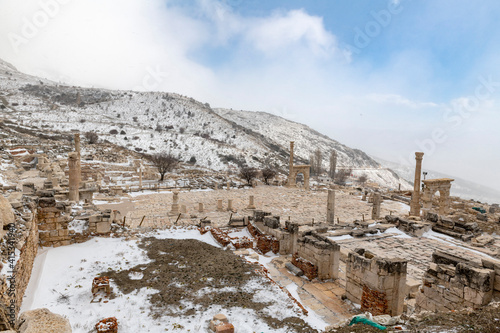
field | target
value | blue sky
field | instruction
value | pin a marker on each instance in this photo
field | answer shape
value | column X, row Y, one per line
column 385, row 76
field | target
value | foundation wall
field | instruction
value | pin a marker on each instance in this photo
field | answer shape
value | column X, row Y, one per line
column 320, row 252
column 452, row 283
column 377, row 284
column 22, row 274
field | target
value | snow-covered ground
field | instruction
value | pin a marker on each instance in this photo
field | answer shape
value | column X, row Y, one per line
column 62, row 278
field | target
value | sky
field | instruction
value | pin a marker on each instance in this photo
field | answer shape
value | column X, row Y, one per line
column 389, row 77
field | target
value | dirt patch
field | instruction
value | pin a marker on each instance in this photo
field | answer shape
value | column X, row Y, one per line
column 196, row 273
column 485, row 320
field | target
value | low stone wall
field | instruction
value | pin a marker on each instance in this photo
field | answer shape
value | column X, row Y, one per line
column 25, row 263
column 283, row 240
column 321, row 252
column 453, row 283
column 23, row 269
column 377, row 284
column 458, row 229
column 310, row 270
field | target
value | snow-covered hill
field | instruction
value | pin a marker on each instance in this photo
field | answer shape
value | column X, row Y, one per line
column 155, row 122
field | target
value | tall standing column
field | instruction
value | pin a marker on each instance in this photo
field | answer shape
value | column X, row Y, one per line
column 330, row 207
column 291, row 181
column 415, row 198
column 74, row 180
column 77, row 150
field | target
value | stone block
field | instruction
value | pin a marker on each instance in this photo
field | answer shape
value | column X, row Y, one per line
column 103, row 227
column 477, row 297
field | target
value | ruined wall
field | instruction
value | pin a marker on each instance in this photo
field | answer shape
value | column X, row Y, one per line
column 320, row 252
column 375, row 283
column 23, row 268
column 286, row 237
column 452, row 283
column 52, row 221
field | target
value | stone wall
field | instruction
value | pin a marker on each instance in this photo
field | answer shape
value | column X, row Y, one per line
column 23, row 267
column 53, row 220
column 321, row 252
column 415, row 228
column 453, row 283
column 377, row 284
column 284, row 239
column 458, row 229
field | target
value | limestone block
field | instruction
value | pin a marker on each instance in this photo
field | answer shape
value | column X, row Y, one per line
column 42, row 320
column 477, row 297
column 6, row 213
column 103, row 227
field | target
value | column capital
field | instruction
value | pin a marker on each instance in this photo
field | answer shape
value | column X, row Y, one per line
column 419, row 155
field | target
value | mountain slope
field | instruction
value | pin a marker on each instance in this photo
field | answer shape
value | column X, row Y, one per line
column 156, row 121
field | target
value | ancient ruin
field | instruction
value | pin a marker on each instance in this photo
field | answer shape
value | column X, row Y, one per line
column 415, row 197
column 365, row 251
column 431, row 186
column 294, row 170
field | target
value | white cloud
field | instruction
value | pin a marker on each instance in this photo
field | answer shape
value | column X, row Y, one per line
column 293, row 28
column 398, row 100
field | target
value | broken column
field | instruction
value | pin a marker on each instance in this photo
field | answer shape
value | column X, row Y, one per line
column 251, row 204
column 175, row 203
column 415, row 198
column 330, row 207
column 376, row 206
column 74, row 179
column 219, row 205
column 230, row 204
column 200, row 207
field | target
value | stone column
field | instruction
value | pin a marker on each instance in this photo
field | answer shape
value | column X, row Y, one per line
column 175, row 203
column 330, row 207
column 74, row 180
column 200, row 207
column 229, row 204
column 78, row 151
column 140, row 176
column 219, row 205
column 376, row 206
column 415, row 198
column 251, row 204
column 291, row 179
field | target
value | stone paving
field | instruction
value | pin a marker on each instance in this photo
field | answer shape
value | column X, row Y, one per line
column 300, row 205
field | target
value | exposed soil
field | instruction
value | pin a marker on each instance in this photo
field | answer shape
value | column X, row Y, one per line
column 486, row 320
column 195, row 272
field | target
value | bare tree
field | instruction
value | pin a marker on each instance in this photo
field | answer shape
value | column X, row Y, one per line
column 248, row 174
column 165, row 162
column 363, row 178
column 92, row 137
column 342, row 175
column 333, row 164
column 268, row 174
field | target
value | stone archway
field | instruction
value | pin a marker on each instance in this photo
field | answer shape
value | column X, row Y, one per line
column 441, row 185
column 296, row 169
